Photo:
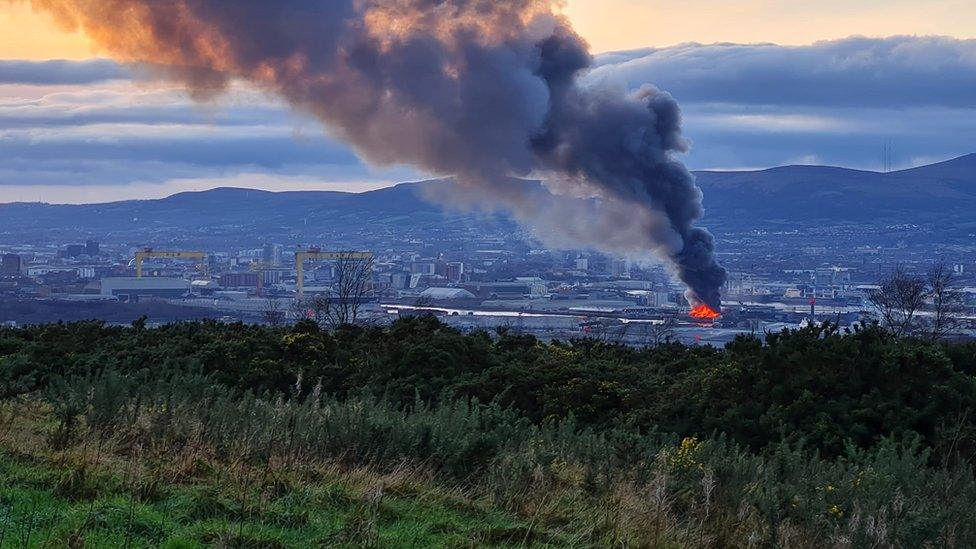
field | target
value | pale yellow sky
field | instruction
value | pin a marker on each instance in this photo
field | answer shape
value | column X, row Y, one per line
column 621, row 24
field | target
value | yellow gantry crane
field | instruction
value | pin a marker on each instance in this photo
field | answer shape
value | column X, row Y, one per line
column 318, row 255
column 148, row 253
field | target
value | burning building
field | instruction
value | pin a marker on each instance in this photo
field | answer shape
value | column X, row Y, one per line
column 487, row 91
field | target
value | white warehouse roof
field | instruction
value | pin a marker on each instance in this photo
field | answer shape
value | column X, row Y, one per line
column 447, row 293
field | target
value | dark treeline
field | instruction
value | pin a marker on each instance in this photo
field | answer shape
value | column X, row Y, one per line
column 830, row 390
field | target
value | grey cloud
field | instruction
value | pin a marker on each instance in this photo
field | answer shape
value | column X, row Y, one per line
column 59, row 72
column 854, row 72
column 43, row 116
column 271, row 152
column 120, row 173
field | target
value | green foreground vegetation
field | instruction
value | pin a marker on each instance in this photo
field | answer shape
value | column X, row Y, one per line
column 206, row 434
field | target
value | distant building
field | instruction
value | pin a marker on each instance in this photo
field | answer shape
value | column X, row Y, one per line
column 442, row 294
column 650, row 298
column 619, row 268
column 73, row 250
column 134, row 288
column 423, row 267
column 91, row 248
column 520, row 288
column 11, row 265
column 537, row 287
column 793, row 293
column 204, row 287
column 239, row 280
column 400, row 281
column 455, row 272
column 832, row 277
column 271, row 254
column 271, row 277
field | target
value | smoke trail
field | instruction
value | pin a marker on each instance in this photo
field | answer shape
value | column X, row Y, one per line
column 484, row 90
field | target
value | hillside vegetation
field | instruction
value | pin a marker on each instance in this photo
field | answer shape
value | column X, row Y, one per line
column 200, row 434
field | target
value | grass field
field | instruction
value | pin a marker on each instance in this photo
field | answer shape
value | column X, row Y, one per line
column 86, row 495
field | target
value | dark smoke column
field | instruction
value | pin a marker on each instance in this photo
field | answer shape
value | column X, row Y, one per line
column 625, row 145
column 484, row 90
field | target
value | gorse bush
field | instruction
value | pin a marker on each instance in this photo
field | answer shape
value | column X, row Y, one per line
column 812, row 439
column 814, row 384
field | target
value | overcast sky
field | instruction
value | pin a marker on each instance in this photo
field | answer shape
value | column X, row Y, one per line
column 87, row 129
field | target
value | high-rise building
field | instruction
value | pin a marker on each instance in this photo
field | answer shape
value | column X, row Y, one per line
column 91, row 248
column 423, row 267
column 400, row 281
column 619, row 268
column 10, row 265
column 455, row 272
column 271, row 254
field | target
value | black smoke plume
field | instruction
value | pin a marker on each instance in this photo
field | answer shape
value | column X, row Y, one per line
column 483, row 90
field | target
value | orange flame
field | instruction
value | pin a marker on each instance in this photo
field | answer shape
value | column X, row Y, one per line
column 704, row 312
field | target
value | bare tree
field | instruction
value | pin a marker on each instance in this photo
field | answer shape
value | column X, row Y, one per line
column 659, row 333
column 274, row 314
column 898, row 299
column 619, row 334
column 301, row 309
column 948, row 303
column 351, row 288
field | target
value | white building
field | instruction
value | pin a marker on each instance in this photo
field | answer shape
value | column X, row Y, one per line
column 439, row 294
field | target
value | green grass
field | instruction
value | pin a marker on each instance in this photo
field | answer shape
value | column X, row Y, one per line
column 38, row 508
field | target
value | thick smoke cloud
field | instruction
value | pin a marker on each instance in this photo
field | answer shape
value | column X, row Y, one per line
column 484, row 90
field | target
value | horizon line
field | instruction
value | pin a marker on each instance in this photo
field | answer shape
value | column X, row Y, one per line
column 388, row 185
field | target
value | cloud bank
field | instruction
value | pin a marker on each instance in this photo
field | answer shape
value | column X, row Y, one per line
column 899, row 71
column 61, row 72
column 97, row 124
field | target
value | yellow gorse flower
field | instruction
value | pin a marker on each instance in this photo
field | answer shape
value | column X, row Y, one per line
column 686, row 455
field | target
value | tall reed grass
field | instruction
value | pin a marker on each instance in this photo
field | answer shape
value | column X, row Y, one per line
column 608, row 487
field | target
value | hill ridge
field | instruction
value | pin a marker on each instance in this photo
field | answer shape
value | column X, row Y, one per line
column 944, row 192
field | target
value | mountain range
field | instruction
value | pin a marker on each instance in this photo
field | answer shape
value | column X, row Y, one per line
column 939, row 194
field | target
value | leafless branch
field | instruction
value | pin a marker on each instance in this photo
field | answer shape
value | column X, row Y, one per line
column 947, row 302
column 274, row 314
column 898, row 299
column 351, row 288
column 663, row 332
